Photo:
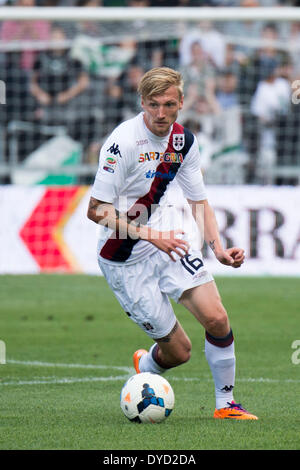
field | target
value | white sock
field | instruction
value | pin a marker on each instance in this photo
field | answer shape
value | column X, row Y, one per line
column 148, row 364
column 221, row 360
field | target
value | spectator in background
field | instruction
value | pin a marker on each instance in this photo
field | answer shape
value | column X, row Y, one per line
column 128, row 83
column 288, row 70
column 210, row 39
column 206, row 144
column 227, row 95
column 271, row 100
column 233, row 59
column 200, row 104
column 112, row 100
column 58, row 85
column 288, row 124
column 56, row 77
column 17, row 63
column 272, row 96
column 31, row 30
column 213, row 43
column 254, row 70
column 200, row 79
column 121, row 101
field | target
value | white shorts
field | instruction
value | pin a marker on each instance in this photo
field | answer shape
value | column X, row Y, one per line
column 143, row 289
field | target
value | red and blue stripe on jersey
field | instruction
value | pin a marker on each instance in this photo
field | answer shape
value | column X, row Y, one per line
column 116, row 249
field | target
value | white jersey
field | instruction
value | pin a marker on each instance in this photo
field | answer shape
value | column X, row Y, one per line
column 138, row 171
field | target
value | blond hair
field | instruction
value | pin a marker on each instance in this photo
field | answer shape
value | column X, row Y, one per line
column 157, row 80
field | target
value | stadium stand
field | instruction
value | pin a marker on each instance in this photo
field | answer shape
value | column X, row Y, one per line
column 73, row 82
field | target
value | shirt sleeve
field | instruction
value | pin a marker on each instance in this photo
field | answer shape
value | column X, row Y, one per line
column 112, row 169
column 189, row 176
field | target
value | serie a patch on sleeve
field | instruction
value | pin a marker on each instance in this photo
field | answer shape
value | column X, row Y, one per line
column 110, row 164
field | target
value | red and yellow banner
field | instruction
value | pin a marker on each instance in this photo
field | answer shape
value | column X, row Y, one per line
column 43, row 231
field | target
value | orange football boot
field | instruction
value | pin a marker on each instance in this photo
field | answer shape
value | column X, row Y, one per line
column 136, row 359
column 233, row 411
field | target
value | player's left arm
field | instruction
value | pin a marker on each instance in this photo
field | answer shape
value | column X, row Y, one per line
column 205, row 218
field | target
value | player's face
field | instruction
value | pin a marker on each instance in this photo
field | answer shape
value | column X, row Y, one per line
column 161, row 111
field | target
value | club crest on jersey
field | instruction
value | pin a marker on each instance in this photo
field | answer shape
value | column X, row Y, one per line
column 178, row 141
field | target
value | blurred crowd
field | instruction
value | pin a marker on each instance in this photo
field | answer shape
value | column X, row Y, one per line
column 238, row 80
column 158, row 3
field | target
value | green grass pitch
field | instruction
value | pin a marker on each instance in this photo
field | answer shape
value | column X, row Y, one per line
column 68, row 352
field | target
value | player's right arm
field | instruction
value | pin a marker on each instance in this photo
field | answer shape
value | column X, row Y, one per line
column 104, row 213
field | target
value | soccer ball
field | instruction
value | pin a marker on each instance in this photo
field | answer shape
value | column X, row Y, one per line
column 147, row 398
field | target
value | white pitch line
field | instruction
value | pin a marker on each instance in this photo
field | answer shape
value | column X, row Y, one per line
column 71, row 366
column 65, row 380
column 130, row 371
column 72, row 380
column 243, row 379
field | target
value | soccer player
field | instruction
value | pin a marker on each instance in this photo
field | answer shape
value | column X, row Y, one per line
column 145, row 258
